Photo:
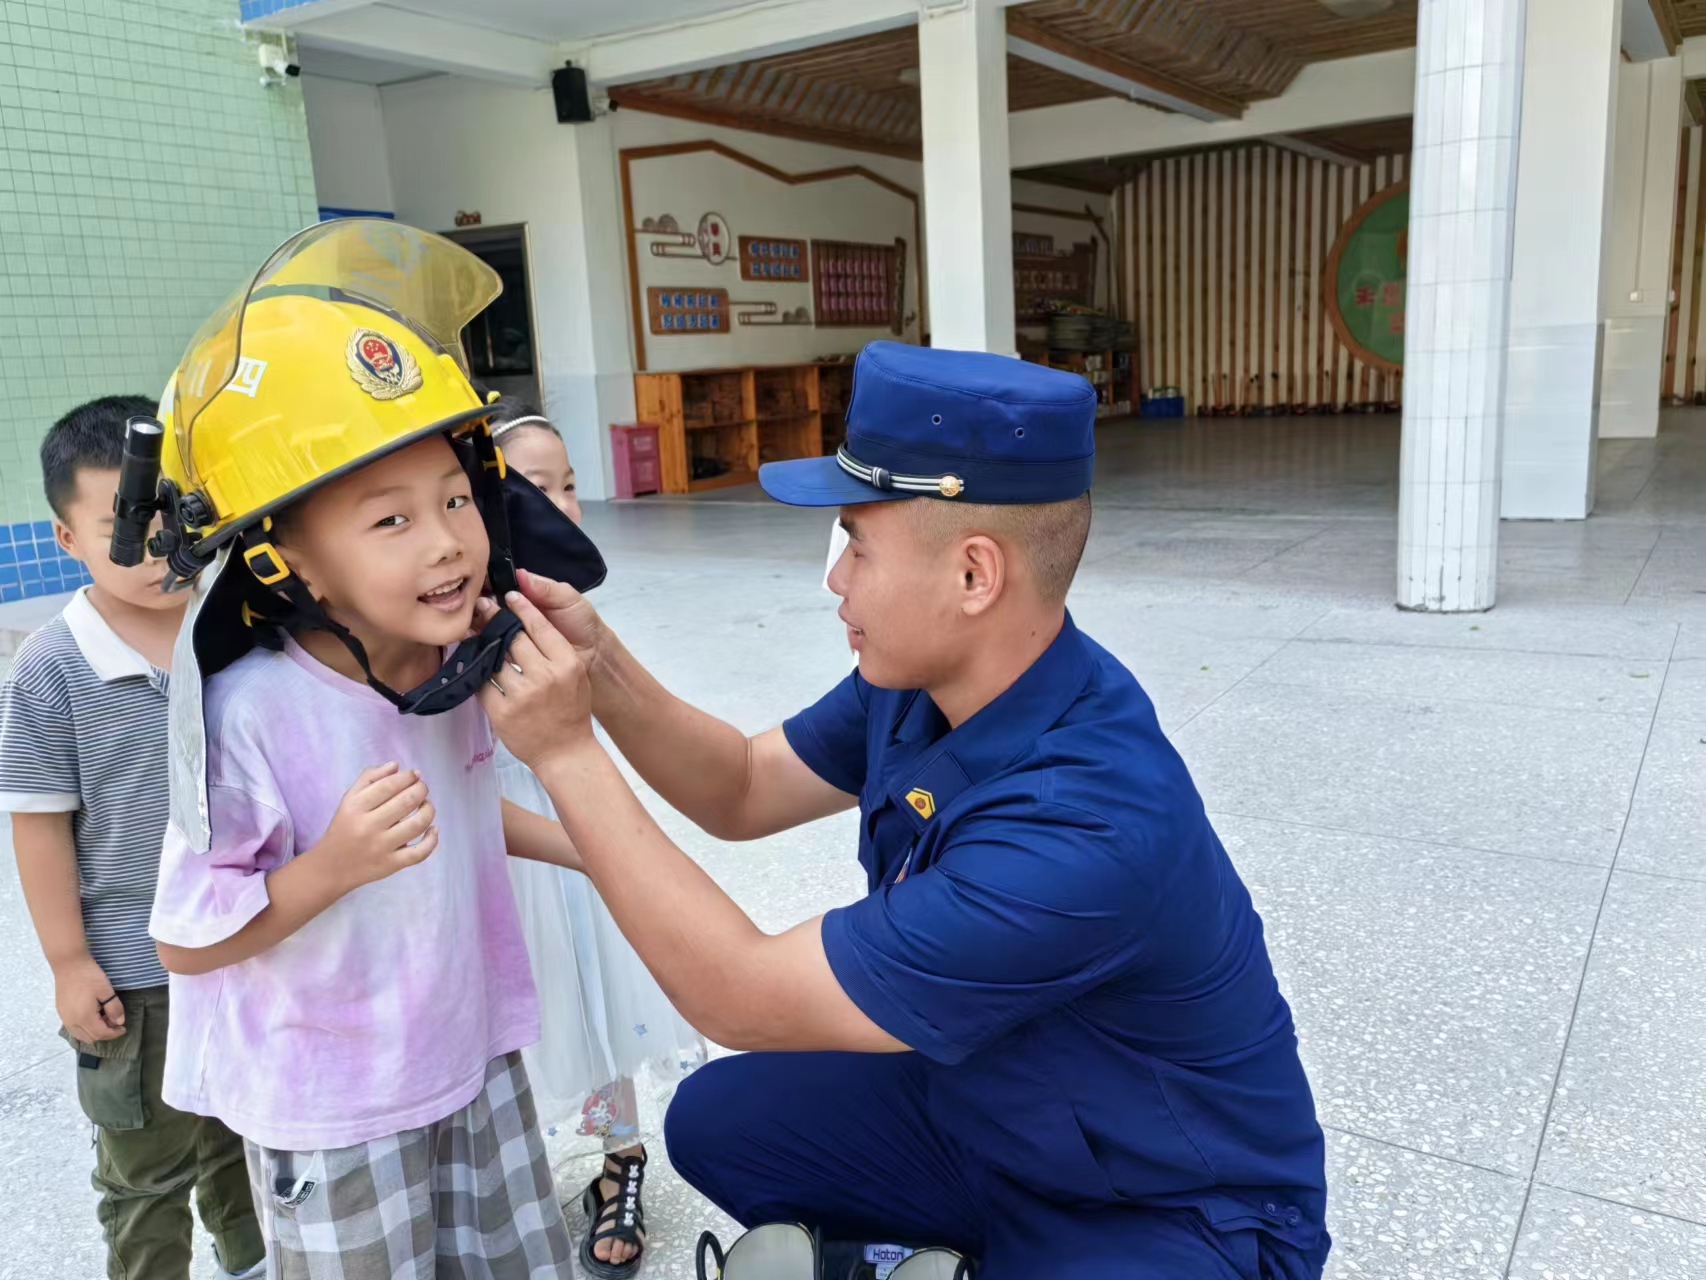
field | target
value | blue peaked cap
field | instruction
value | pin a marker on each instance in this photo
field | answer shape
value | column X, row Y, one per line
column 955, row 425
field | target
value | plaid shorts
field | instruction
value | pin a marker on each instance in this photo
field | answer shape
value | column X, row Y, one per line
column 468, row 1198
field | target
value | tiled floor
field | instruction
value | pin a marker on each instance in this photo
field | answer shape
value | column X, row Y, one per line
column 1479, row 843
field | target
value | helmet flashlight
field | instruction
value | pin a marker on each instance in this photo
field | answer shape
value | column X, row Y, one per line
column 137, row 500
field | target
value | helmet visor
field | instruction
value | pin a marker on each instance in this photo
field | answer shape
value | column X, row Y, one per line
column 433, row 285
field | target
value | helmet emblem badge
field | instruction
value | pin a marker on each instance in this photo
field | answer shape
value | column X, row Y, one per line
column 380, row 367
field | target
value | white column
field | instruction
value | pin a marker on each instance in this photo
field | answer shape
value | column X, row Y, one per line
column 968, row 201
column 1462, row 190
column 1570, row 62
column 590, row 383
column 1636, row 281
column 460, row 144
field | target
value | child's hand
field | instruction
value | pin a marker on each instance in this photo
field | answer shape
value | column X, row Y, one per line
column 86, row 1003
column 384, row 824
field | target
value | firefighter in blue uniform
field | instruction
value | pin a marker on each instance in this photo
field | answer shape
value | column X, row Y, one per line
column 1049, row 1036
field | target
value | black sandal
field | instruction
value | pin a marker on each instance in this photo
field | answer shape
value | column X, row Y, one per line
column 621, row 1217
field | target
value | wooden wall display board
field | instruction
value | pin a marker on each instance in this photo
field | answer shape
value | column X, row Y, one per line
column 1363, row 284
column 629, row 156
column 774, row 258
column 1061, row 277
column 858, row 285
column 696, row 311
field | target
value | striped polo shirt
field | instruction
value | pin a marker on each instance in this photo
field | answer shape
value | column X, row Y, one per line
column 83, row 731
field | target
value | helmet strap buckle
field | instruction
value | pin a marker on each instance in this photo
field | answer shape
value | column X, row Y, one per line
column 276, row 570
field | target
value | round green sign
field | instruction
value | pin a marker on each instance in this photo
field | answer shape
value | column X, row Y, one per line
column 1364, row 279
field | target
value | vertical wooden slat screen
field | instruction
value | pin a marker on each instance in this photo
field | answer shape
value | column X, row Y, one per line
column 1223, row 255
column 1683, row 381
column 1691, row 280
column 1673, row 298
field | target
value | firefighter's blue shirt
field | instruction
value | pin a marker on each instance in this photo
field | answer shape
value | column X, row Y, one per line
column 1054, row 926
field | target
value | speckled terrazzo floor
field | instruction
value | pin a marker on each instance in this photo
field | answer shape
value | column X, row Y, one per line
column 1479, row 843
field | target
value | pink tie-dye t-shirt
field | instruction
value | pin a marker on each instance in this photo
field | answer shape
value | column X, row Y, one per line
column 380, row 1014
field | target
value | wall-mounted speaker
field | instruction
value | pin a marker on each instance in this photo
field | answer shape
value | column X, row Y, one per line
column 568, row 88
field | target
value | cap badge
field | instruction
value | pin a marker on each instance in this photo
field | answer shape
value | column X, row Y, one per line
column 380, row 367
column 922, row 801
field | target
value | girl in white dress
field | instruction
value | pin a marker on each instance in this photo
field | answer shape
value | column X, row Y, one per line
column 603, row 1017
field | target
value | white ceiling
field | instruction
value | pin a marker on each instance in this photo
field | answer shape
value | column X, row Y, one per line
column 334, row 64
column 557, row 20
column 548, row 21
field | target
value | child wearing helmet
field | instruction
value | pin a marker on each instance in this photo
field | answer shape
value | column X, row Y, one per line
column 607, row 1021
column 351, row 987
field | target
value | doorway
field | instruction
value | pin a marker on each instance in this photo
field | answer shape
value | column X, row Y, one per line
column 502, row 353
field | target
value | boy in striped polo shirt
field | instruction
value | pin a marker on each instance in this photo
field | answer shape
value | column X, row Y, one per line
column 83, row 772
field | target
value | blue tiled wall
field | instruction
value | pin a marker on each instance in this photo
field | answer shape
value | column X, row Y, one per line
column 253, row 10
column 31, row 563
column 327, row 213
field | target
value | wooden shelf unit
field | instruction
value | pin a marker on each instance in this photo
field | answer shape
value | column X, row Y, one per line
column 834, row 390
column 1108, row 369
column 736, row 419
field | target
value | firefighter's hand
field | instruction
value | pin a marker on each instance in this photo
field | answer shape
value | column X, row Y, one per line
column 564, row 608
column 541, row 698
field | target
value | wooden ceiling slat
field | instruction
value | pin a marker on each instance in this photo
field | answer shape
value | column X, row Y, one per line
column 802, row 86
column 1241, row 50
column 1174, row 39
column 815, row 91
column 629, row 96
column 853, row 106
column 1686, row 17
column 1031, row 85
column 823, row 106
column 772, row 88
column 723, row 80
column 1052, row 40
column 1085, row 175
column 881, row 117
column 1369, row 139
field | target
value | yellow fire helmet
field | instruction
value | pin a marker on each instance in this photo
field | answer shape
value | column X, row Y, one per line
column 344, row 347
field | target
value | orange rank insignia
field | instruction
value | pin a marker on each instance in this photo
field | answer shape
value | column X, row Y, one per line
column 923, row 802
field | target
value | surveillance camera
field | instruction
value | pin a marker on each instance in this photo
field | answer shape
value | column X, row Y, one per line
column 275, row 62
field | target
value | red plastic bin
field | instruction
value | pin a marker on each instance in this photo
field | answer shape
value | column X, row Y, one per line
column 634, row 450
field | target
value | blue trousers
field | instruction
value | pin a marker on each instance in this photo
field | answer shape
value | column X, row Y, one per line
column 843, row 1141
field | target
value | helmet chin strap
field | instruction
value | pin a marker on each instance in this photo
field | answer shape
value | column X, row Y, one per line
column 473, row 662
